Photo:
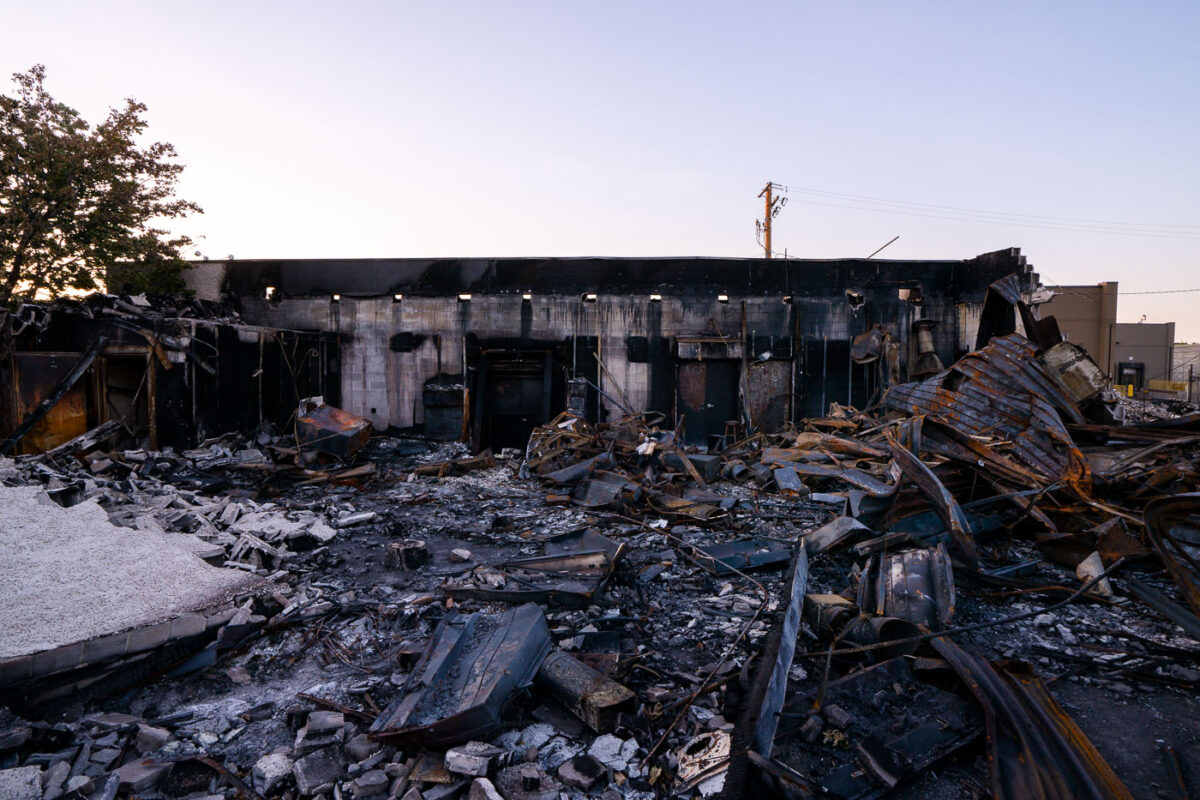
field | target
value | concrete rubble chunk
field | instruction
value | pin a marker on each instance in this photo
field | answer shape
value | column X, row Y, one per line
column 527, row 782
column 106, row 787
column 1091, row 568
column 21, row 783
column 369, row 784
column 483, row 789
column 318, row 769
column 324, row 728
column 362, row 747
column 138, row 776
column 612, row 751
column 150, row 738
column 837, row 716
column 54, row 778
column 582, row 772
column 83, row 784
column 472, row 758
column 270, row 770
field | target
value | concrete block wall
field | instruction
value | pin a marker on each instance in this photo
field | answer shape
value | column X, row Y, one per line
column 383, row 377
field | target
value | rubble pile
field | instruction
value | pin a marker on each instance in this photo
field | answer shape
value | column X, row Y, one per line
column 984, row 585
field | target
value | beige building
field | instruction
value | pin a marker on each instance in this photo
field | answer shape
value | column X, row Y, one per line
column 1142, row 352
column 1086, row 315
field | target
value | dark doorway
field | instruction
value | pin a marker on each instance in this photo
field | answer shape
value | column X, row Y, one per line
column 515, row 392
column 1129, row 374
column 707, row 398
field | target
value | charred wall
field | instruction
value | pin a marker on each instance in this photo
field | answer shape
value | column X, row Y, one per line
column 171, row 382
column 786, row 327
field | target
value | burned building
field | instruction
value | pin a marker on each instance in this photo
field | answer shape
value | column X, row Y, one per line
column 166, row 375
column 908, row 576
column 487, row 349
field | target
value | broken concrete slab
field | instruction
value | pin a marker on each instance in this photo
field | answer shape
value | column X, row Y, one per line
column 138, row 776
column 85, row 564
column 318, row 769
column 21, row 783
column 271, row 770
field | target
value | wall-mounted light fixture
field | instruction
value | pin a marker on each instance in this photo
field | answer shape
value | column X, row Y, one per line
column 589, row 298
column 787, row 299
column 336, row 298
column 722, row 298
column 527, row 297
column 396, row 298
column 656, row 298
column 269, row 292
column 465, row 297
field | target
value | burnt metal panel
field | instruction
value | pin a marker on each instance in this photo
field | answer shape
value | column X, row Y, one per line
column 769, row 394
column 472, row 667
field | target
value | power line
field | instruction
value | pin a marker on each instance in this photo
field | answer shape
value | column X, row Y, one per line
column 1162, row 291
column 1011, row 223
column 984, row 212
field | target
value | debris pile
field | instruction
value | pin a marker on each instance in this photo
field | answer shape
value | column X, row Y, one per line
column 981, row 585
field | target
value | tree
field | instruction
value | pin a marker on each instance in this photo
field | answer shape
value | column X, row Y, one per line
column 78, row 200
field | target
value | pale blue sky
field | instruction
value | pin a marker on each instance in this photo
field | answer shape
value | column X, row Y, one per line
column 616, row 128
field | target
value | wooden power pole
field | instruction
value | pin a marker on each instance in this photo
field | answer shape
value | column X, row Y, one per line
column 771, row 206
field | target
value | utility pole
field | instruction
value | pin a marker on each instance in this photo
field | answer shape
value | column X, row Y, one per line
column 771, row 207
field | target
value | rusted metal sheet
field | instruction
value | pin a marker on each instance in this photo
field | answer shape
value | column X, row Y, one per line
column 692, row 379
column 473, row 666
column 867, row 347
column 327, row 429
column 917, row 586
column 940, row 498
column 724, row 559
column 1082, row 376
column 855, row 477
column 1035, row 750
column 1002, row 391
column 1168, row 521
column 768, row 394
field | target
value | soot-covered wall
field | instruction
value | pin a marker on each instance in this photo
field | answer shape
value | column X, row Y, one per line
column 783, row 327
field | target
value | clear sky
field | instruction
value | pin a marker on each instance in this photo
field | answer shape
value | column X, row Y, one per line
column 619, row 128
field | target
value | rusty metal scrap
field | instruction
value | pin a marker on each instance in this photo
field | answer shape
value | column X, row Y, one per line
column 940, row 498
column 917, row 586
column 1035, row 749
column 1173, row 527
column 1003, row 392
column 331, row 430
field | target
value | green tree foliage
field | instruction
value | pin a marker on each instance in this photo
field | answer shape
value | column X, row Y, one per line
column 78, row 200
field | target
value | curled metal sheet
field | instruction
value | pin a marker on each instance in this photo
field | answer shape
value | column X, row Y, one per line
column 1166, row 521
column 1002, row 391
column 1035, row 750
column 940, row 498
